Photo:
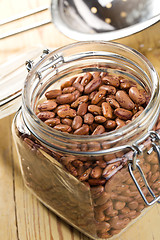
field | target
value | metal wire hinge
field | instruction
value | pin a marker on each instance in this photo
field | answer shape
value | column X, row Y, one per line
column 134, row 164
column 29, row 65
column 53, row 61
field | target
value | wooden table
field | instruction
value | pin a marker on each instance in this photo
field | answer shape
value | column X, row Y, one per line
column 22, row 216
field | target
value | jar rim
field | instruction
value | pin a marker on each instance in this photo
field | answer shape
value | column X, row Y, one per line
column 42, row 127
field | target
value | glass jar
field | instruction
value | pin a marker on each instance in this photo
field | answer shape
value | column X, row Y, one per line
column 56, row 166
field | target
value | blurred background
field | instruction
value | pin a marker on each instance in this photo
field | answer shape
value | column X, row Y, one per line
column 146, row 41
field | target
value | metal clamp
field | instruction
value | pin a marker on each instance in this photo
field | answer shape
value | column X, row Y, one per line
column 155, row 138
column 29, row 65
column 136, row 151
column 156, row 199
column 53, row 61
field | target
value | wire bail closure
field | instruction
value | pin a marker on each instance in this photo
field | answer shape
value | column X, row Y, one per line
column 134, row 164
column 53, row 61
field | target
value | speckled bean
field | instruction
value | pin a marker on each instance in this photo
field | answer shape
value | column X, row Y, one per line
column 136, row 96
column 96, row 110
column 96, row 172
column 124, row 100
column 77, row 122
column 47, row 105
column 88, row 118
column 111, row 80
column 109, row 89
column 63, row 128
column 82, row 109
column 98, row 130
column 92, row 85
column 63, row 113
column 123, row 114
column 65, row 98
column 45, row 115
column 79, row 100
column 107, row 110
column 53, row 93
column 98, row 96
column 84, row 130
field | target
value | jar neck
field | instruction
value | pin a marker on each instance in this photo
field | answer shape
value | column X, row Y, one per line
column 78, row 58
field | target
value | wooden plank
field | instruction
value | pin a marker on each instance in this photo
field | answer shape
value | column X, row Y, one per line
column 8, row 223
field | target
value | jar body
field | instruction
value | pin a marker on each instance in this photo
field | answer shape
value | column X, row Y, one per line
column 86, row 181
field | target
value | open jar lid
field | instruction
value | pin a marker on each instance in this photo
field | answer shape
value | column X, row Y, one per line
column 12, row 76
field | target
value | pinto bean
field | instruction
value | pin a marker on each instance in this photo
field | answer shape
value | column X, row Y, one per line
column 120, row 123
column 111, row 80
column 109, row 89
column 67, row 121
column 84, row 130
column 45, row 115
column 136, row 115
column 96, row 110
column 99, row 216
column 110, row 169
column 107, row 110
column 98, row 96
column 111, row 212
column 92, row 94
column 119, row 224
column 110, row 125
column 92, row 85
column 123, row 114
column 52, row 122
column 124, row 84
column 47, row 105
column 65, row 98
column 97, row 191
column 100, row 119
column 78, row 86
column 63, row 113
column 96, row 181
column 104, row 197
column 79, row 100
column 53, row 93
column 63, row 128
column 82, row 109
column 96, row 172
column 76, row 94
column 88, row 118
column 85, row 175
column 103, row 227
column 118, row 205
column 125, row 210
column 71, row 169
column 124, row 100
column 86, row 78
column 98, row 130
column 113, row 102
column 77, row 122
column 68, row 83
column 68, row 90
column 136, row 96
column 133, row 205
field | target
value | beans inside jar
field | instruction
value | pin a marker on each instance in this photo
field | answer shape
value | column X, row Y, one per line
column 93, row 104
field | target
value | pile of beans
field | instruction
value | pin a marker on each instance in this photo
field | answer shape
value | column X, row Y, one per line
column 93, row 104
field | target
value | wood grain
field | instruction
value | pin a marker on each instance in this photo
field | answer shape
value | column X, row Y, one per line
column 22, row 216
